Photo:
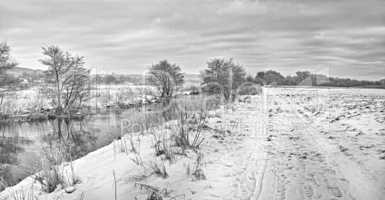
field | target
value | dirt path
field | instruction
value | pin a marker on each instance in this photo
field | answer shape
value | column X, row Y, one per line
column 304, row 164
column 283, row 154
column 236, row 160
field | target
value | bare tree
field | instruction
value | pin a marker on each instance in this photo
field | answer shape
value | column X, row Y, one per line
column 166, row 77
column 222, row 77
column 70, row 80
column 5, row 59
column 5, row 64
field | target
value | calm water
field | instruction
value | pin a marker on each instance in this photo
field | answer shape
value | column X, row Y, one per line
column 22, row 145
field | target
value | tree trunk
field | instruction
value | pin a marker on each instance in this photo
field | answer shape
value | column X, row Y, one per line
column 59, row 108
column 167, row 110
column 2, row 98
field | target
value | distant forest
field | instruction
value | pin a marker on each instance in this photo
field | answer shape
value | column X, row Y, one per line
column 114, row 79
column 306, row 78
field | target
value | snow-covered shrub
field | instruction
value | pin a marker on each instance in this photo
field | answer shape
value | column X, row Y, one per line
column 159, row 169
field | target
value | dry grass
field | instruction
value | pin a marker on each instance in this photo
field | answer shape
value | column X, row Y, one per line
column 49, row 179
column 198, row 172
column 154, row 196
column 170, row 140
column 163, row 145
column 190, row 126
column 159, row 169
column 155, row 193
column 23, row 195
column 138, row 160
column 54, row 173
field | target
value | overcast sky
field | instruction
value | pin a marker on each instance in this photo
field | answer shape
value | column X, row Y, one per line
column 337, row 37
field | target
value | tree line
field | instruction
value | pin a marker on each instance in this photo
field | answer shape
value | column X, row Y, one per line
column 307, row 78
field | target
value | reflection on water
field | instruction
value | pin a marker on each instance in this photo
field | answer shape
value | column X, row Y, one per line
column 21, row 145
column 9, row 149
column 71, row 138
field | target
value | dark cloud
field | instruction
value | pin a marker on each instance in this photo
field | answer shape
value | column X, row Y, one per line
column 343, row 37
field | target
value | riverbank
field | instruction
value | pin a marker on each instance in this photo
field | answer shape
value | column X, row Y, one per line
column 39, row 117
column 146, row 169
column 49, row 114
column 79, row 137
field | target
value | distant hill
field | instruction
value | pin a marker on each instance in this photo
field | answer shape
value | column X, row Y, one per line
column 192, row 79
column 19, row 71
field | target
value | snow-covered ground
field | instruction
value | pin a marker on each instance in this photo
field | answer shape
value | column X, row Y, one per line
column 289, row 143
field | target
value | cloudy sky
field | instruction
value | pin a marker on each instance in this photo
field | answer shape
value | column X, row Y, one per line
column 337, row 37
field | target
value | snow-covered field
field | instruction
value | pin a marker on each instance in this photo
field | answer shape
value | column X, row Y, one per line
column 327, row 143
column 288, row 143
